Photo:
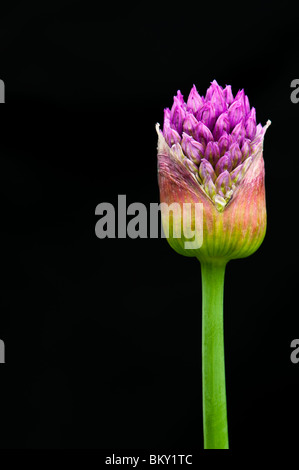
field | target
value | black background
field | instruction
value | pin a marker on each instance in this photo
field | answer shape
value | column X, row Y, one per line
column 103, row 336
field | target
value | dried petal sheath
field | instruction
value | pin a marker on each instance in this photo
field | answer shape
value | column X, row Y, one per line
column 234, row 233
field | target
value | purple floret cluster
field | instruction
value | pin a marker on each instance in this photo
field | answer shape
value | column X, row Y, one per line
column 215, row 137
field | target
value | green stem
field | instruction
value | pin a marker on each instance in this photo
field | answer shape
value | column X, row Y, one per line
column 213, row 369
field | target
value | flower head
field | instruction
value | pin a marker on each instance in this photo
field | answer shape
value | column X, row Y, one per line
column 210, row 151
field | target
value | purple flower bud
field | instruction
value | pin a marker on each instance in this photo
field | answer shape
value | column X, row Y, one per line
column 246, row 149
column 239, row 132
column 250, row 128
column 246, row 105
column 218, row 100
column 235, row 154
column 222, row 125
column 207, row 115
column 211, row 90
column 224, row 163
column 209, row 187
column 223, row 183
column 231, row 223
column 177, row 116
column 192, row 149
column 189, row 124
column 203, row 134
column 252, row 114
column 212, row 153
column 228, row 95
column 224, row 143
column 235, row 113
column 190, row 165
column 250, row 124
column 206, row 170
column 176, row 150
column 240, row 97
column 195, row 102
column 214, row 136
column 171, row 136
column 179, row 99
column 167, row 115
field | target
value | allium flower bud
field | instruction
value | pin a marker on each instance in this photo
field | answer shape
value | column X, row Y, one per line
column 207, row 115
column 222, row 125
column 240, row 96
column 224, row 143
column 167, row 115
column 171, row 136
column 190, row 123
column 224, row 163
column 194, row 102
column 238, row 132
column 191, row 165
column 177, row 116
column 192, row 149
column 246, row 149
column 179, row 99
column 250, row 125
column 218, row 100
column 209, row 187
column 206, row 170
column 246, row 105
column 235, row 113
column 211, row 152
column 177, row 151
column 223, row 183
column 250, row 128
column 202, row 133
column 228, row 154
column 235, row 154
column 211, row 90
column 228, row 95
